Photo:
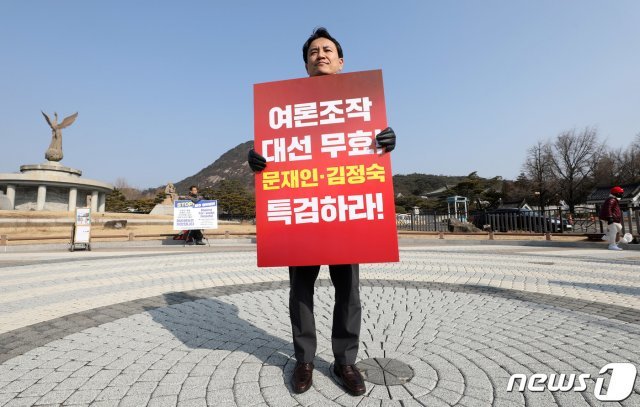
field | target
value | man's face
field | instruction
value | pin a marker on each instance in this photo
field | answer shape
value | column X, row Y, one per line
column 194, row 191
column 322, row 58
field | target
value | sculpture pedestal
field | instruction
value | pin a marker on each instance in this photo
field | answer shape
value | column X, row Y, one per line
column 51, row 186
column 162, row 209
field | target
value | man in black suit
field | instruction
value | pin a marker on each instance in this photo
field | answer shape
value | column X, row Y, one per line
column 323, row 55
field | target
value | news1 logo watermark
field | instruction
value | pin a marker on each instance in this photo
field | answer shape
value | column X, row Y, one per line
column 623, row 378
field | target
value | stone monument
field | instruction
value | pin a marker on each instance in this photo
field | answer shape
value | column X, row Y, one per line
column 169, row 195
column 166, row 207
column 51, row 186
column 54, row 152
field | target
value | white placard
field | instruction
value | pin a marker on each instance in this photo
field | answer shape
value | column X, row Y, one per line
column 188, row 215
column 83, row 234
column 83, row 226
column 83, row 216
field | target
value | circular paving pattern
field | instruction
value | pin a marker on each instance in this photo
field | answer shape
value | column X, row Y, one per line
column 461, row 344
column 389, row 372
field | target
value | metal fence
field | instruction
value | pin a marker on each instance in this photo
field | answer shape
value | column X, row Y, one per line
column 431, row 222
column 583, row 220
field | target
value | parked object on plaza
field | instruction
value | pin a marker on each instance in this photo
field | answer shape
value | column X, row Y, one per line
column 81, row 230
column 51, row 186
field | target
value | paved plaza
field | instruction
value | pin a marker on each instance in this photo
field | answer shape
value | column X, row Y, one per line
column 198, row 326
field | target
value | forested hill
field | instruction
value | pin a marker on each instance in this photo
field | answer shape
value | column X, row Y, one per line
column 231, row 165
column 419, row 184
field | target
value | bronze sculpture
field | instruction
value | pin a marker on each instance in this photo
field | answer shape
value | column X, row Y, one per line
column 54, row 152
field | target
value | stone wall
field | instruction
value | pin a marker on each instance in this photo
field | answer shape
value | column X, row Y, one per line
column 4, row 202
column 57, row 199
column 26, row 198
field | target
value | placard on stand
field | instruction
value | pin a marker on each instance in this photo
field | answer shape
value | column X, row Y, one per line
column 81, row 230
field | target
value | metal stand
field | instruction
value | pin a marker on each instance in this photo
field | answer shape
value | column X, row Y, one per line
column 73, row 246
column 188, row 236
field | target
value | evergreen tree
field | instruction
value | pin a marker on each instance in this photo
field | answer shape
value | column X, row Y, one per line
column 115, row 201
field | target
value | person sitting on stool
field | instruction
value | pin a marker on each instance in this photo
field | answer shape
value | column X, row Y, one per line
column 196, row 234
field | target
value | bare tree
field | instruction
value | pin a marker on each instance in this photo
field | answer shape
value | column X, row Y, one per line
column 629, row 163
column 127, row 190
column 538, row 171
column 608, row 170
column 121, row 183
column 574, row 157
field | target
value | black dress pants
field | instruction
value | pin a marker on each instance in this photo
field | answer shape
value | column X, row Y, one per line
column 347, row 312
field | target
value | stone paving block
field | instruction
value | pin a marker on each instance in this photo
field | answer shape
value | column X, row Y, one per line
column 196, row 382
column 55, row 397
column 10, row 375
column 86, row 371
column 72, row 383
column 278, row 396
column 38, row 389
column 101, row 379
column 163, row 401
column 266, row 381
column 125, row 379
column 399, row 393
column 379, row 392
column 152, row 376
column 135, row 400
column 17, row 386
column 22, row 401
column 193, row 392
column 71, row 366
column 431, row 400
column 167, row 390
column 369, row 402
column 140, row 388
column 195, row 402
column 217, row 384
column 468, row 401
column 224, row 396
column 113, row 393
column 411, row 403
column 5, row 397
column 83, row 396
column 174, row 378
column 105, row 403
column 349, row 400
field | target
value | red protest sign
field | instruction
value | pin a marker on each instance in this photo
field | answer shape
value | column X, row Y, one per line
column 326, row 195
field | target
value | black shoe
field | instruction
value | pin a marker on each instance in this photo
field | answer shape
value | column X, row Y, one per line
column 302, row 375
column 351, row 379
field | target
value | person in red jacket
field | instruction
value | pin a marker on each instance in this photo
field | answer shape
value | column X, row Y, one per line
column 611, row 212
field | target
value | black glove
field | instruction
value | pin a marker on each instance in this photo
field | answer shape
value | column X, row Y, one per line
column 610, row 221
column 256, row 162
column 387, row 139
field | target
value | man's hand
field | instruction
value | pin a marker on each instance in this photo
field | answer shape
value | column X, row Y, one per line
column 387, row 139
column 256, row 162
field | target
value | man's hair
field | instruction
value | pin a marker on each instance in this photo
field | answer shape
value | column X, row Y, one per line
column 192, row 186
column 319, row 32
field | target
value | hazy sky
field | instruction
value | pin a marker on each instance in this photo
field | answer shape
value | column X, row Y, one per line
column 164, row 88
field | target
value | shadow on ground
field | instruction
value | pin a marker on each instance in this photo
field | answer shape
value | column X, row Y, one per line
column 209, row 323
